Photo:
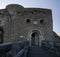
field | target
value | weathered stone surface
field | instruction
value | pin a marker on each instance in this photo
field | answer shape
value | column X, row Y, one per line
column 17, row 28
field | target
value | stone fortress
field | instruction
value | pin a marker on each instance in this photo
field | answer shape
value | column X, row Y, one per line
column 33, row 24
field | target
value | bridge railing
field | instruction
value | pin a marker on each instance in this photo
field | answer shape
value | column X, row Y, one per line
column 16, row 49
column 51, row 43
column 52, row 46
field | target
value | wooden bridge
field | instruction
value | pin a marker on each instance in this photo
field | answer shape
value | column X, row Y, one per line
column 22, row 49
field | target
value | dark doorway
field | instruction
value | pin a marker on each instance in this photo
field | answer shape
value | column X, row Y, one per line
column 1, row 34
column 35, row 39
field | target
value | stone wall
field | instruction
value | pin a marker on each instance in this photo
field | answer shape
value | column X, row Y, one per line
column 19, row 22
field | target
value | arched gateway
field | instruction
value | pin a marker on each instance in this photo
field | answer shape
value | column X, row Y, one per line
column 35, row 38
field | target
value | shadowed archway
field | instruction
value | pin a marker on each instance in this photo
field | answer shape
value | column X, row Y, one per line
column 35, row 38
column 1, row 34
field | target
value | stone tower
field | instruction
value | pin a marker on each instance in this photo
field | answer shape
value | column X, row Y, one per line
column 32, row 24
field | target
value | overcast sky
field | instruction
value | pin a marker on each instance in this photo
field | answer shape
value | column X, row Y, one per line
column 49, row 4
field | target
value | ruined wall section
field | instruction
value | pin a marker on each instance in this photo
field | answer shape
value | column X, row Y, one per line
column 36, row 15
column 13, row 24
column 5, row 23
column 16, row 24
